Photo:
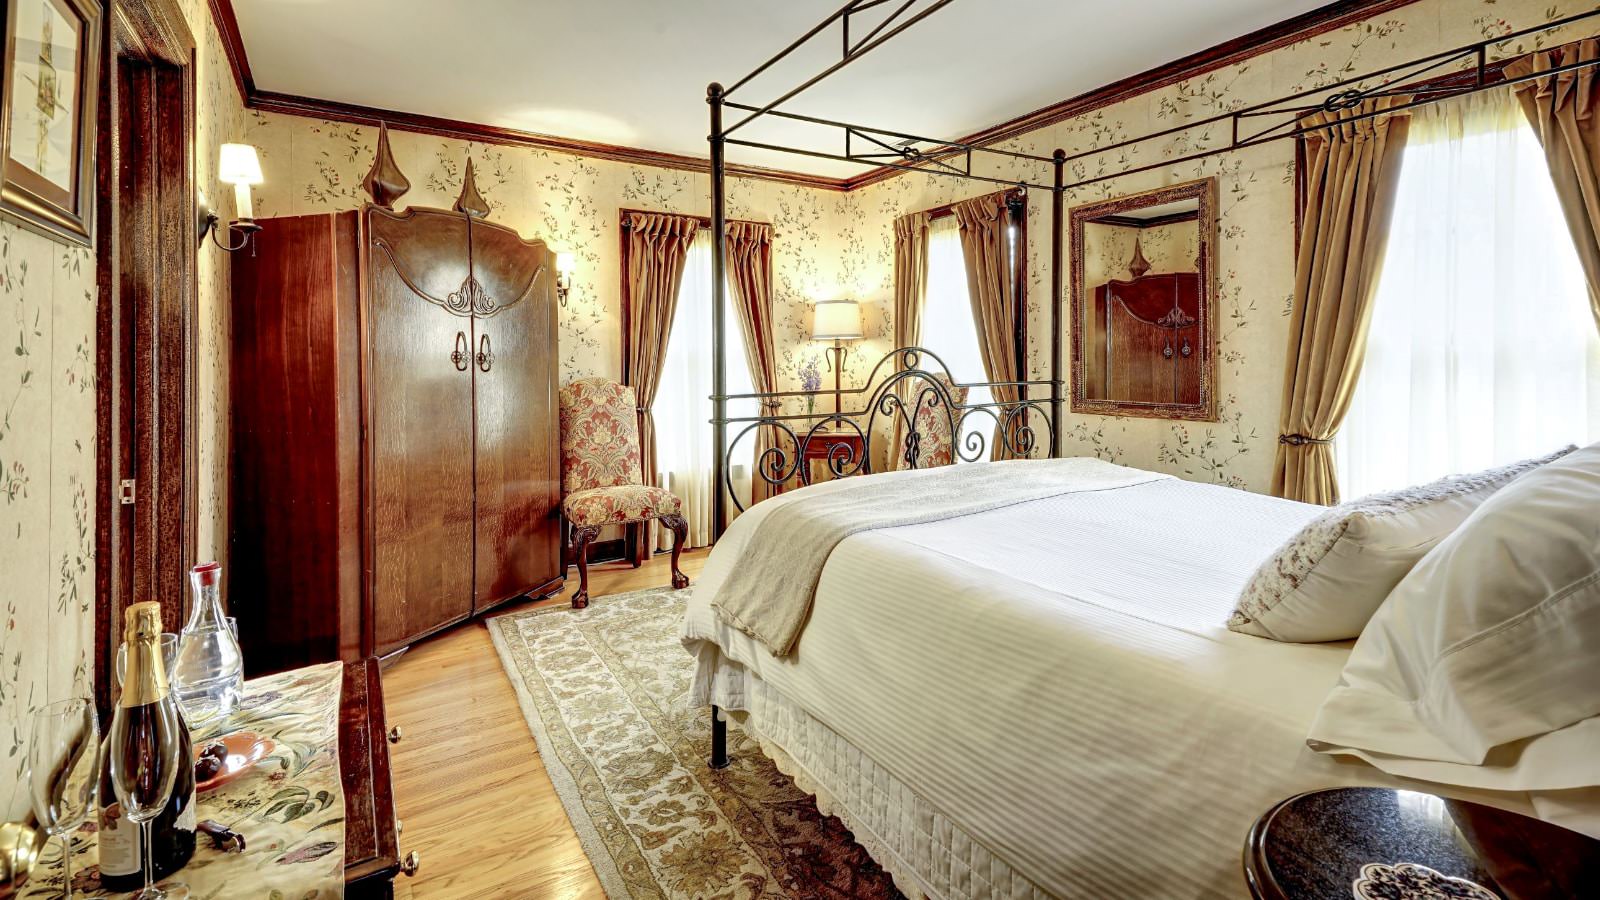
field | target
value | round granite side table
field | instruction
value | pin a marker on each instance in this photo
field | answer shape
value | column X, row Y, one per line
column 1385, row 844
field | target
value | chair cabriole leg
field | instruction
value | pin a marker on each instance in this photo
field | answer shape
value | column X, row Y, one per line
column 581, row 538
column 680, row 534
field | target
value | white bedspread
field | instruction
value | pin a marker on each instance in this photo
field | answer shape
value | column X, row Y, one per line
column 1055, row 678
column 800, row 531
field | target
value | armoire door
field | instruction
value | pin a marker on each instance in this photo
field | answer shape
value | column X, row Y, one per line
column 1186, row 338
column 518, row 473
column 418, row 383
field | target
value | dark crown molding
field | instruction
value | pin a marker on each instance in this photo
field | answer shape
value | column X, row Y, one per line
column 1299, row 28
column 268, row 101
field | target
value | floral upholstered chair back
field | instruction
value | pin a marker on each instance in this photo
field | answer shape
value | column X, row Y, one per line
column 599, row 435
column 935, row 444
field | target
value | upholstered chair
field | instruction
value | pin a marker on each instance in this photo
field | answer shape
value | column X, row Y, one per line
column 930, row 440
column 601, row 479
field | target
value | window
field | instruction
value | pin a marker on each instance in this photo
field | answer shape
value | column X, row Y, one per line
column 682, row 407
column 1482, row 348
column 948, row 327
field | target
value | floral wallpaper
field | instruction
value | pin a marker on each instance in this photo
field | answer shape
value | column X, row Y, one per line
column 47, row 472
column 1255, row 256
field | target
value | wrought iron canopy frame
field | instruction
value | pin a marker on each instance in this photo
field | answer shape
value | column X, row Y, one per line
column 1429, row 79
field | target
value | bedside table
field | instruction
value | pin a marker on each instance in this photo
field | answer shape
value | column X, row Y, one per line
column 1384, row 843
column 821, row 447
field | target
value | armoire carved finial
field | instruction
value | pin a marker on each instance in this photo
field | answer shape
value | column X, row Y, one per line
column 385, row 183
column 471, row 202
column 1138, row 265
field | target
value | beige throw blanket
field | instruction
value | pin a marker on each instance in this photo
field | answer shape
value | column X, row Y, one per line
column 774, row 579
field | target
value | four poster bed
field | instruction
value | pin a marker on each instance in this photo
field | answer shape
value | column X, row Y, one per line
column 1011, row 679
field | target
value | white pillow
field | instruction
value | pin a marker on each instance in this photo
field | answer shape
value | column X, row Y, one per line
column 1328, row 580
column 1491, row 645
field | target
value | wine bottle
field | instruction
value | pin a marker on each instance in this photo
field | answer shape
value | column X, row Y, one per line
column 145, row 704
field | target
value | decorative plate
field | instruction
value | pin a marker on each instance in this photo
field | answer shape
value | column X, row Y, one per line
column 245, row 749
column 1410, row 881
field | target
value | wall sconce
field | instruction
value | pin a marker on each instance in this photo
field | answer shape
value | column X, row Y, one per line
column 239, row 166
column 837, row 321
column 565, row 264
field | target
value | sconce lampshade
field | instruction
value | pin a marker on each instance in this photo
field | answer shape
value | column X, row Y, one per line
column 239, row 165
column 565, row 263
column 837, row 320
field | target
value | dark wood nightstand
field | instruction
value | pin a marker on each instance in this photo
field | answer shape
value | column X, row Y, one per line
column 825, row 445
column 1382, row 843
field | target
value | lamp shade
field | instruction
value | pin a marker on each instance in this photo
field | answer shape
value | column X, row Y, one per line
column 837, row 320
column 239, row 165
column 565, row 263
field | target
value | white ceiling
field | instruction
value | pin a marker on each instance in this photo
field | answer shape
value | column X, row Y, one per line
column 634, row 72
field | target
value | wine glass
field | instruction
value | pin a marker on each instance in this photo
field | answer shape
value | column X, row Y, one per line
column 144, row 764
column 64, row 770
column 169, row 655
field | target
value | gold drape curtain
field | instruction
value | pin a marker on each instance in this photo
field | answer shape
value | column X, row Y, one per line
column 1561, row 108
column 1352, row 172
column 986, row 246
column 910, row 277
column 910, row 295
column 749, row 255
column 658, row 245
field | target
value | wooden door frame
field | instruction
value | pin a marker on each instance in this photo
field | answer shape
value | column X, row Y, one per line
column 148, row 44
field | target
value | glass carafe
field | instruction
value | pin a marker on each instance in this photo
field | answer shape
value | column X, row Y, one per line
column 210, row 670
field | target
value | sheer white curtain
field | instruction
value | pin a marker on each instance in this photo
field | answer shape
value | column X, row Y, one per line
column 1482, row 348
column 683, row 406
column 947, row 325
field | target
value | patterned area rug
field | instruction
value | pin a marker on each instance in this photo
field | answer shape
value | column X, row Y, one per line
column 605, row 693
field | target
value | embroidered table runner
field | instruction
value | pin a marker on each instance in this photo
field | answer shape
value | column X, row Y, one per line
column 769, row 591
column 290, row 807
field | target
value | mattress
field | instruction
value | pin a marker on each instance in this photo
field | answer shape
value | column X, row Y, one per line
column 1042, row 699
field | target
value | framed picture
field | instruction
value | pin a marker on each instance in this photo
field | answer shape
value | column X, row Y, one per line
column 48, row 115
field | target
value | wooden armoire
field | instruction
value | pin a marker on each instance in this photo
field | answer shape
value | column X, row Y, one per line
column 1143, row 339
column 395, row 446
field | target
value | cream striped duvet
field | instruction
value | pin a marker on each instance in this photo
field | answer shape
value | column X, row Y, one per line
column 1054, row 680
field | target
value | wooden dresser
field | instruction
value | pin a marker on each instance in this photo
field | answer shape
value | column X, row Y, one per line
column 371, row 830
column 394, row 452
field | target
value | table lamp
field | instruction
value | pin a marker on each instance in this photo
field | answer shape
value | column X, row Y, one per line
column 837, row 321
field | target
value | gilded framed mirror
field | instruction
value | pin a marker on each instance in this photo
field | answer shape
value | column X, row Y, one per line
column 1143, row 288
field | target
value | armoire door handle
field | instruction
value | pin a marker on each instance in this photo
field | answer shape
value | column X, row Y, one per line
column 485, row 354
column 459, row 356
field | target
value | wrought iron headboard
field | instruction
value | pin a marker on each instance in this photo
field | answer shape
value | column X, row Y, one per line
column 900, row 387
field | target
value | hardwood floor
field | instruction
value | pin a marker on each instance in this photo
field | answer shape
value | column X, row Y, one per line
column 469, row 786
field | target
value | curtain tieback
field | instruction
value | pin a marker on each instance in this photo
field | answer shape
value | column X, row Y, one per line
column 1299, row 440
column 771, row 406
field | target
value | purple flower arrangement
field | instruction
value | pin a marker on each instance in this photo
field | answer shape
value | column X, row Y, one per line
column 810, row 380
